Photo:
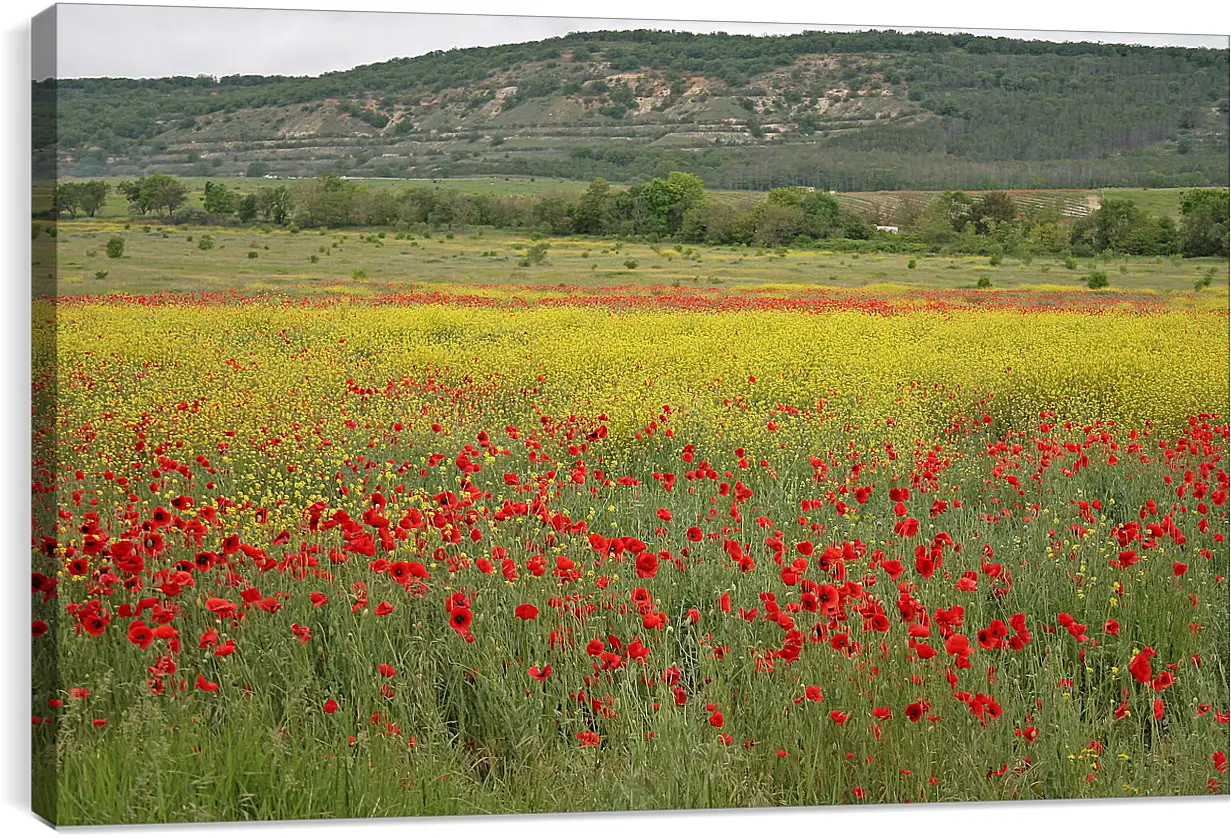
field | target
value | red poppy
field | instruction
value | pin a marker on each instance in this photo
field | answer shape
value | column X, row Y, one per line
column 1140, row 665
column 207, row 686
column 386, row 670
column 38, row 628
column 318, row 599
column 716, row 719
column 140, row 634
column 384, row 608
column 460, row 619
column 330, row 706
column 540, row 674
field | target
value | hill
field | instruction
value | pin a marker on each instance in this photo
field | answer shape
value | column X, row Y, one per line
column 845, row 111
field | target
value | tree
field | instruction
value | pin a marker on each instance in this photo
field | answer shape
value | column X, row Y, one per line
column 256, row 169
column 1204, row 221
column 274, row 203
column 593, row 213
column 220, row 199
column 666, row 201
column 992, row 210
column 93, row 196
column 161, row 191
column 133, row 191
column 246, row 208
column 67, row 198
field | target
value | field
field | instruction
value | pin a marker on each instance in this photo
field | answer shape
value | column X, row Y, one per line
column 368, row 263
column 878, row 205
column 415, row 528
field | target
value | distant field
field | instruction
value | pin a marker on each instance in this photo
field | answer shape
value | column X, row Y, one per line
column 875, row 205
column 158, row 258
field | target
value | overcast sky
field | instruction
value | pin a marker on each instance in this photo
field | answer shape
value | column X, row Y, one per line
column 151, row 41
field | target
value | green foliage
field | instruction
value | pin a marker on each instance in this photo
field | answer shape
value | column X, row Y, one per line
column 631, row 264
column 1096, row 280
column 985, row 281
column 160, row 192
column 1061, row 114
column 1204, row 218
column 220, row 199
column 206, row 243
column 115, row 247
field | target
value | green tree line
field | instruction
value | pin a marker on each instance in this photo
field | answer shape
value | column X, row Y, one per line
column 678, row 207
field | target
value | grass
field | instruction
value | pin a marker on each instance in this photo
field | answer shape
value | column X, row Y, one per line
column 154, row 262
column 521, row 411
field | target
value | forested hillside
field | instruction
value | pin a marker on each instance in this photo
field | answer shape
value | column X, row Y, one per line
column 843, row 111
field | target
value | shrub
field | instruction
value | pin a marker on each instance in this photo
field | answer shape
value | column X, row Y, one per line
column 631, row 264
column 115, row 247
column 252, row 254
column 1070, row 263
column 101, row 274
column 985, row 281
column 912, row 264
column 359, row 274
column 1096, row 280
column 206, row 243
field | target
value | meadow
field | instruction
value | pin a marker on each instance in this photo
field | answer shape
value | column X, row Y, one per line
column 169, row 258
column 342, row 524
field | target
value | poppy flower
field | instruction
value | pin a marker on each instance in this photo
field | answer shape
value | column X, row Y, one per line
column 330, row 706
column 1140, row 665
column 838, row 716
column 386, row 670
column 206, row 686
column 38, row 628
column 460, row 619
column 385, row 608
column 540, row 674
column 318, row 599
column 716, row 719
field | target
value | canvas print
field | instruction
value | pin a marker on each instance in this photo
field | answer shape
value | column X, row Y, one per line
column 443, row 415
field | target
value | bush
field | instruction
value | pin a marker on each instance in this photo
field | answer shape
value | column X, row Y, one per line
column 985, row 281
column 252, row 254
column 1070, row 263
column 115, row 247
column 101, row 274
column 1096, row 280
column 206, row 243
column 631, row 264
column 912, row 264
